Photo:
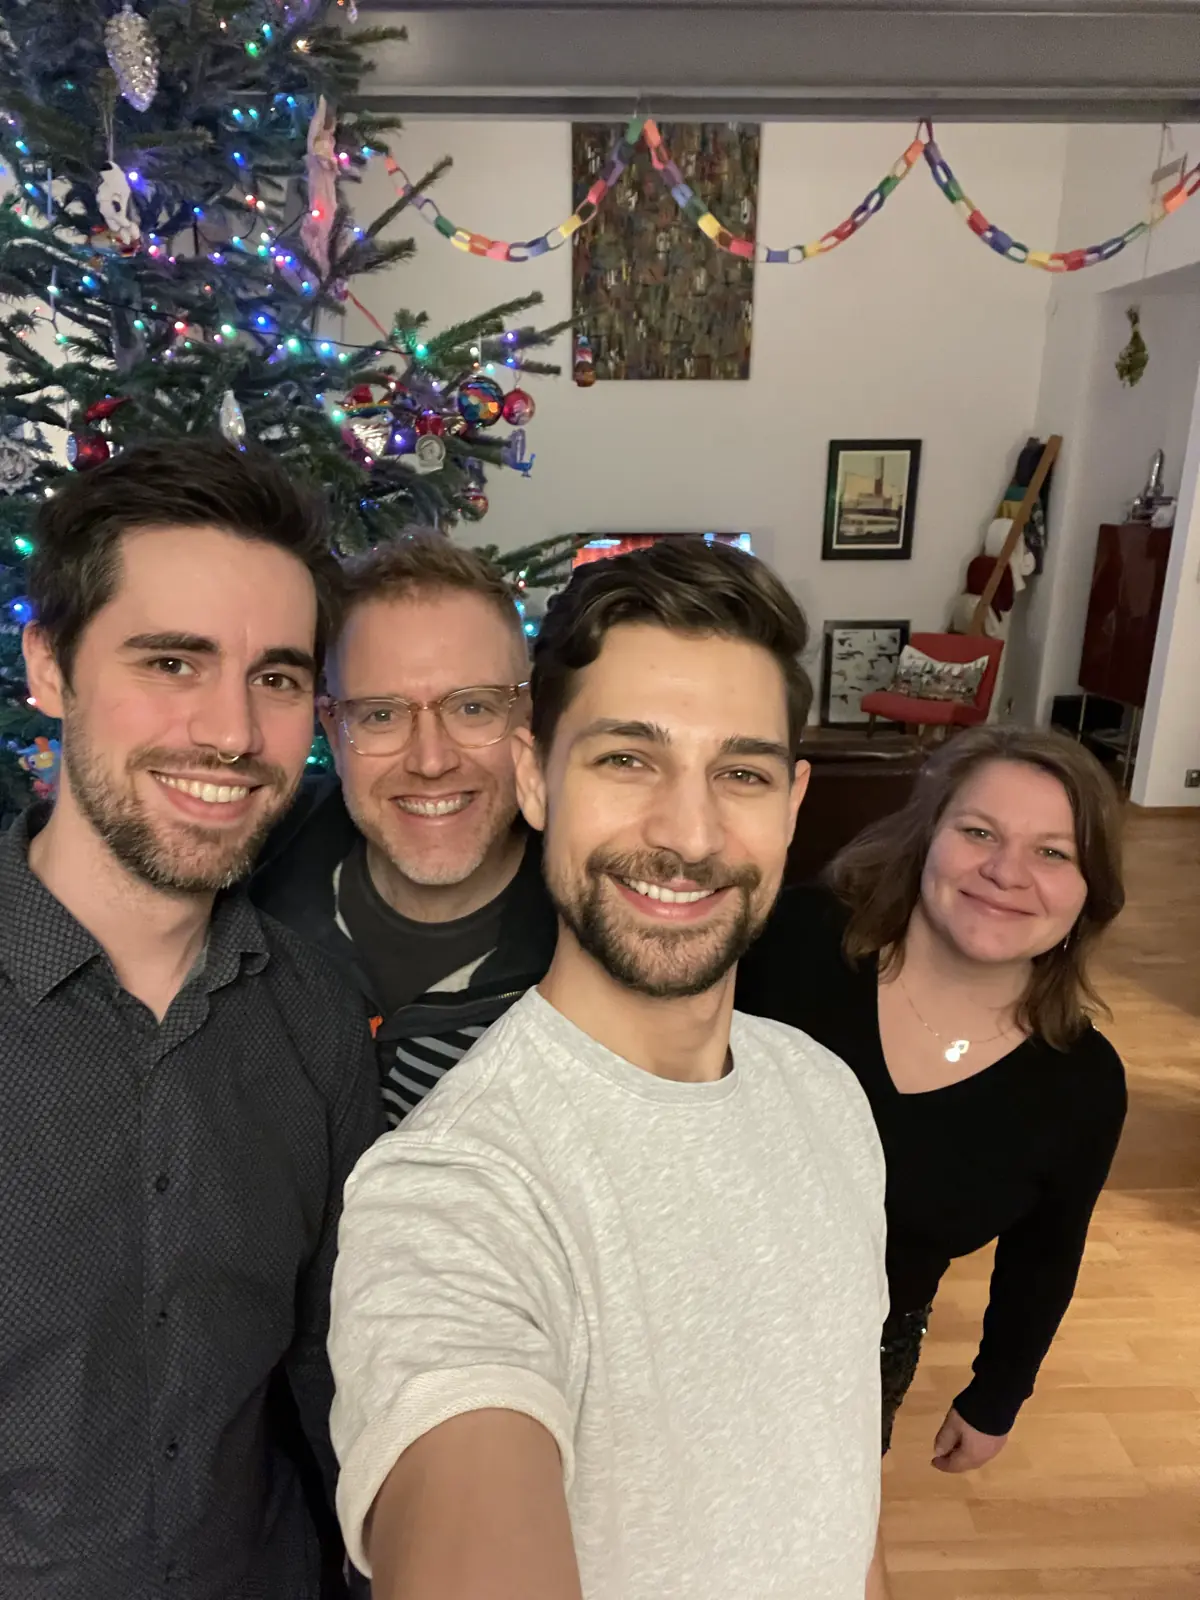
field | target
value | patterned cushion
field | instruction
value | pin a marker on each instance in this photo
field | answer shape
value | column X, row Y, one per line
column 924, row 678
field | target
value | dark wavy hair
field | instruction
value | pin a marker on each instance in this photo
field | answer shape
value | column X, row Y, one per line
column 878, row 875
column 685, row 585
column 190, row 482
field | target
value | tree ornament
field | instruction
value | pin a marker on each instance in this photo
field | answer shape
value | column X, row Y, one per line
column 455, row 424
column 584, row 364
column 518, row 408
column 321, row 168
column 133, row 56
column 430, row 423
column 103, row 409
column 480, row 402
column 372, row 433
column 119, row 228
column 232, row 422
column 431, row 454
column 41, row 760
column 17, row 462
column 513, row 454
column 87, row 448
column 475, row 505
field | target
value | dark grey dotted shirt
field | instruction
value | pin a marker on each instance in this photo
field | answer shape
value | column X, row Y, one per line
column 169, row 1200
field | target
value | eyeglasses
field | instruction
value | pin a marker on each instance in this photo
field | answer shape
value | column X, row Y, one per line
column 471, row 718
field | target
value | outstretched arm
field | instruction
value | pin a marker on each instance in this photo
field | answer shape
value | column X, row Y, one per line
column 475, row 1510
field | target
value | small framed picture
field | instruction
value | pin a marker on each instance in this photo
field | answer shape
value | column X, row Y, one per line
column 871, row 499
column 859, row 657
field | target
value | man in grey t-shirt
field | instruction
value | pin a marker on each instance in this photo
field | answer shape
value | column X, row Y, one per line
column 607, row 1311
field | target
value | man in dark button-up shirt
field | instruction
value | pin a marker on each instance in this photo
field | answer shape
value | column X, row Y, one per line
column 184, row 1086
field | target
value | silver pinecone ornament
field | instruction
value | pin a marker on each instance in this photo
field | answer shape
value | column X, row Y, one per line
column 133, row 56
column 232, row 422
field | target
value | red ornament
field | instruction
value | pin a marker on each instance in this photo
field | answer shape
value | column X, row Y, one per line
column 430, row 422
column 475, row 505
column 105, row 408
column 518, row 408
column 584, row 363
column 360, row 395
column 86, row 448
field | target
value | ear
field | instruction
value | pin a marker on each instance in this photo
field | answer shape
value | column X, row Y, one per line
column 42, row 672
column 800, row 776
column 531, row 780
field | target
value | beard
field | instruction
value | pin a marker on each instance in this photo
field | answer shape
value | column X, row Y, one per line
column 181, row 857
column 668, row 963
column 440, row 864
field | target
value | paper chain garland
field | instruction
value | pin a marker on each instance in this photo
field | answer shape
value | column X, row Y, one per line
column 923, row 145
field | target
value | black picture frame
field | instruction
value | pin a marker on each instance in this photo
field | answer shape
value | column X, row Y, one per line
column 875, row 674
column 877, row 525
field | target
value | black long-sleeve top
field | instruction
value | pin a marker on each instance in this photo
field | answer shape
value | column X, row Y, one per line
column 1018, row 1153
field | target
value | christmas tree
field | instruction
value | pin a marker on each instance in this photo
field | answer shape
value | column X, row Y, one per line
column 178, row 244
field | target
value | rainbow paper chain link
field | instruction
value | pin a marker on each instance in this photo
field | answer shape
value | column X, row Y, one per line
column 478, row 244
column 694, row 208
column 748, row 249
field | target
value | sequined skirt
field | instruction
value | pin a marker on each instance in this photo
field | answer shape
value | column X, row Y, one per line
column 899, row 1353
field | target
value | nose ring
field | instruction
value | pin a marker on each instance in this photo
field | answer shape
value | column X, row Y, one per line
column 228, row 761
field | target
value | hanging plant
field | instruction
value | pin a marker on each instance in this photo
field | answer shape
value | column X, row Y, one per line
column 1133, row 360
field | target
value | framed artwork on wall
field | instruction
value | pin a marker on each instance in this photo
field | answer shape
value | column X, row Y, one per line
column 870, row 499
column 859, row 657
column 654, row 297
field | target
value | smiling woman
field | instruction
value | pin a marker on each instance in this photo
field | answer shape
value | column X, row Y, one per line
column 947, row 963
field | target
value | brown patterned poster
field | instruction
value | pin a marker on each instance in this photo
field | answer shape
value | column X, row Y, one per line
column 656, row 297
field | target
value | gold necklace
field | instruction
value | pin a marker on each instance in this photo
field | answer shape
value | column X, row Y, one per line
column 957, row 1048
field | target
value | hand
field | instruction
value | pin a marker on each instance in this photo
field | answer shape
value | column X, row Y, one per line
column 961, row 1448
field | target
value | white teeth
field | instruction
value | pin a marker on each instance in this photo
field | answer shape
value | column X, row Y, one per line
column 220, row 794
column 656, row 891
column 435, row 808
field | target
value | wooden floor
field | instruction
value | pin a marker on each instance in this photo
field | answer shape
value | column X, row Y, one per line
column 1098, row 1491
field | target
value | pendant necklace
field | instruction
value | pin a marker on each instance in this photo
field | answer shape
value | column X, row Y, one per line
column 954, row 1050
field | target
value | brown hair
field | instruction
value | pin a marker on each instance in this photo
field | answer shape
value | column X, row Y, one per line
column 878, row 875
column 181, row 483
column 426, row 563
column 685, row 585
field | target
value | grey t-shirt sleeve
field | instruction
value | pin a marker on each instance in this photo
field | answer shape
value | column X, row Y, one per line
column 451, row 1294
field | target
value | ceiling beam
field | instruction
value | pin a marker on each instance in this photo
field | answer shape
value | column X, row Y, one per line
column 864, row 58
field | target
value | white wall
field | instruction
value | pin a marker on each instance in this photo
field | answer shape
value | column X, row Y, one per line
column 913, row 329
column 1110, row 433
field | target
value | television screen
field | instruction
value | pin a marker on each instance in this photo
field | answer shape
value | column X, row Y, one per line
column 616, row 544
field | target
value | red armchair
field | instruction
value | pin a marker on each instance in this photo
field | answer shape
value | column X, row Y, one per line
column 945, row 714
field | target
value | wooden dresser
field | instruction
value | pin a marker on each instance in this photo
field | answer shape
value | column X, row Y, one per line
column 1122, row 618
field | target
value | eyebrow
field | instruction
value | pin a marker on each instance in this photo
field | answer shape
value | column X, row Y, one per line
column 286, row 655
column 654, row 733
column 191, row 644
column 196, row 644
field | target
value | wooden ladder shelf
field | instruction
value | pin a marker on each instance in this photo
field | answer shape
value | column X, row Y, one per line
column 1024, row 512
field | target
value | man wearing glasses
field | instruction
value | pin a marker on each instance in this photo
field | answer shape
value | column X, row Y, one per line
column 415, row 876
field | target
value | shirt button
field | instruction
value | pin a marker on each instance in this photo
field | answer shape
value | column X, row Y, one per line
column 160, row 1320
column 172, row 1449
column 162, row 1183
